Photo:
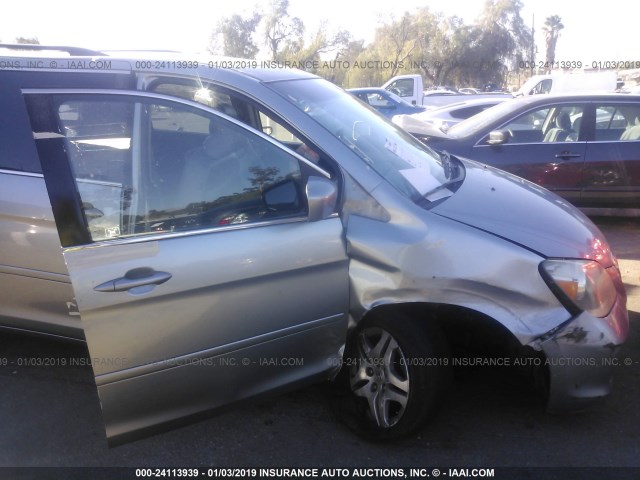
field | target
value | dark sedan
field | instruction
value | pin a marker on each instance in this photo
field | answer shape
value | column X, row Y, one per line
column 585, row 148
column 387, row 103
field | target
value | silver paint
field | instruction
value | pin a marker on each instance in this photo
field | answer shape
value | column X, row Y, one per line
column 241, row 294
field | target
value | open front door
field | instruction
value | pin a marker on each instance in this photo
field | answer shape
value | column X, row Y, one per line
column 199, row 278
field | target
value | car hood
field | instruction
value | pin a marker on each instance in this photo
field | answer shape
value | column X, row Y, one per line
column 524, row 213
column 415, row 126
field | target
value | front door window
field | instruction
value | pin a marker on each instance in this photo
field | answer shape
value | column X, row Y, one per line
column 144, row 166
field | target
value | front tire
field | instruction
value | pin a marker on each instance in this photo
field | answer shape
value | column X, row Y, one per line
column 395, row 372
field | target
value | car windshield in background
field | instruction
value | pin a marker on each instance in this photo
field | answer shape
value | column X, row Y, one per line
column 481, row 120
column 398, row 99
column 411, row 167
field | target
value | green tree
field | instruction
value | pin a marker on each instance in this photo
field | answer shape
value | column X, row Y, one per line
column 343, row 73
column 444, row 50
column 398, row 40
column 325, row 42
column 501, row 19
column 443, row 45
column 551, row 29
column 233, row 36
column 281, row 30
column 394, row 44
column 323, row 54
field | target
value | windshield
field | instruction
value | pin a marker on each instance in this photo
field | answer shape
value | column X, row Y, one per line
column 483, row 119
column 398, row 99
column 411, row 167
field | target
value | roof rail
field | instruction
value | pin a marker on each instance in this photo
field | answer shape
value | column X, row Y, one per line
column 73, row 51
column 109, row 50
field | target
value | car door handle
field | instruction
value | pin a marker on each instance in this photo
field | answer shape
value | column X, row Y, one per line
column 138, row 277
column 566, row 155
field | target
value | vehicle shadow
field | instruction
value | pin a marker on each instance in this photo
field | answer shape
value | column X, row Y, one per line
column 52, row 418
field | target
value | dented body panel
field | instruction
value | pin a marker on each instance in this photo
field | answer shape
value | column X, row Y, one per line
column 474, row 253
column 425, row 266
column 581, row 356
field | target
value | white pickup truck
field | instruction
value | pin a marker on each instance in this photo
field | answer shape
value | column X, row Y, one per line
column 411, row 89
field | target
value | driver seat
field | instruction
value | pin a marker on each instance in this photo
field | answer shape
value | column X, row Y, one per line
column 562, row 129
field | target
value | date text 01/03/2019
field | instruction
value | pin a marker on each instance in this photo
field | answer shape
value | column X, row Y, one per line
column 579, row 64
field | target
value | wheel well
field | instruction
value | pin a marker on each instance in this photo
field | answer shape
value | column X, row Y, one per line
column 467, row 331
column 473, row 335
column 463, row 328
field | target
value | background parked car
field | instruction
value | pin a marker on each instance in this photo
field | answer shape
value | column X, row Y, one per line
column 412, row 89
column 586, row 148
column 386, row 102
column 447, row 116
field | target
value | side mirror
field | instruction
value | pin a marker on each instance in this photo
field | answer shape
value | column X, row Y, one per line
column 322, row 196
column 498, row 137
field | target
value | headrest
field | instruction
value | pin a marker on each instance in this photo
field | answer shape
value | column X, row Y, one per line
column 563, row 121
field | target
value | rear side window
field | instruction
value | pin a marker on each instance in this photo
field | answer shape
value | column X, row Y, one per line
column 617, row 122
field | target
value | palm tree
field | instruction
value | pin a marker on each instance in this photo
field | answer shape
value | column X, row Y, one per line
column 552, row 27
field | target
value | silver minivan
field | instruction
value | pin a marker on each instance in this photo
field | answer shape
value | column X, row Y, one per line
column 216, row 231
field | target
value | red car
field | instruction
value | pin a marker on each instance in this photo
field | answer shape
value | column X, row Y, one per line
column 585, row 148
